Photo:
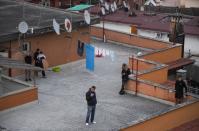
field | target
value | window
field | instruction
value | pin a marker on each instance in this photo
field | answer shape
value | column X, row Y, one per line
column 26, row 47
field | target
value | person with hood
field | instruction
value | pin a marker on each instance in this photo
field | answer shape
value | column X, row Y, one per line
column 91, row 102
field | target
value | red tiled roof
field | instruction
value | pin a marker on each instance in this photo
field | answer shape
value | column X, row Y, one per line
column 149, row 22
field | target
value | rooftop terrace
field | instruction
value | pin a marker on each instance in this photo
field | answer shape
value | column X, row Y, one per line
column 62, row 104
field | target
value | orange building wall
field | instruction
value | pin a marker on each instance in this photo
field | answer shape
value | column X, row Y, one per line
column 157, row 76
column 141, row 65
column 128, row 39
column 18, row 98
column 168, row 120
column 59, row 49
column 152, row 91
column 165, row 56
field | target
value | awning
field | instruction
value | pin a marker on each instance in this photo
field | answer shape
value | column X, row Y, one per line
column 79, row 7
column 10, row 63
column 179, row 63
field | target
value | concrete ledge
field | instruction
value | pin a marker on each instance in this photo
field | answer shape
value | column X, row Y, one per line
column 123, row 44
column 151, row 98
column 17, row 81
column 153, row 84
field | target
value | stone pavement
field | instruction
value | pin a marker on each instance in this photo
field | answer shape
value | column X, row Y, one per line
column 62, row 105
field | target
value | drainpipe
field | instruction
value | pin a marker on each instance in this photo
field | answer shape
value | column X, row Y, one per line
column 132, row 62
column 103, row 29
column 9, row 56
column 0, row 76
column 136, row 78
column 182, row 55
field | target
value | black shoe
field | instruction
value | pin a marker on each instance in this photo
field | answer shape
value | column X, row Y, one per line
column 122, row 92
column 26, row 80
column 30, row 80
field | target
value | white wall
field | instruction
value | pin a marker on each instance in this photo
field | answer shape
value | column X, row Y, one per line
column 115, row 26
column 191, row 3
column 192, row 44
column 153, row 34
column 177, row 3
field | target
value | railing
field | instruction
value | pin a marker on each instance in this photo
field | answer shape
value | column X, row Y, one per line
column 194, row 90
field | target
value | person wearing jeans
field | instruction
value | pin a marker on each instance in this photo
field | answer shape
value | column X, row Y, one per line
column 91, row 102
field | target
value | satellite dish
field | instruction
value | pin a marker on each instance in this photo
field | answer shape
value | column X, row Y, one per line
column 87, row 17
column 56, row 27
column 124, row 3
column 115, row 5
column 23, row 27
column 106, row 6
column 103, row 11
column 68, row 25
column 112, row 8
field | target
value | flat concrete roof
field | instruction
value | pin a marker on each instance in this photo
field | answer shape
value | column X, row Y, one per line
column 40, row 18
column 62, row 104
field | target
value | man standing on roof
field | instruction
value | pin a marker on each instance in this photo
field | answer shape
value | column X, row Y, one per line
column 28, row 60
column 91, row 102
column 180, row 85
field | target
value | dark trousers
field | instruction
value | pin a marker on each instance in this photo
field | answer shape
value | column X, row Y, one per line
column 42, row 66
column 90, row 114
column 28, row 74
column 124, row 82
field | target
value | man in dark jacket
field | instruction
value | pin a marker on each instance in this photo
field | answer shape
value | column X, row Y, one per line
column 28, row 60
column 91, row 102
column 180, row 85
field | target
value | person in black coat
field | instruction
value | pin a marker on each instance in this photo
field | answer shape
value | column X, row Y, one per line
column 180, row 85
column 91, row 102
column 125, row 77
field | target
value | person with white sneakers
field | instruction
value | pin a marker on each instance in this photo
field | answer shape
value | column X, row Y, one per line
column 91, row 102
